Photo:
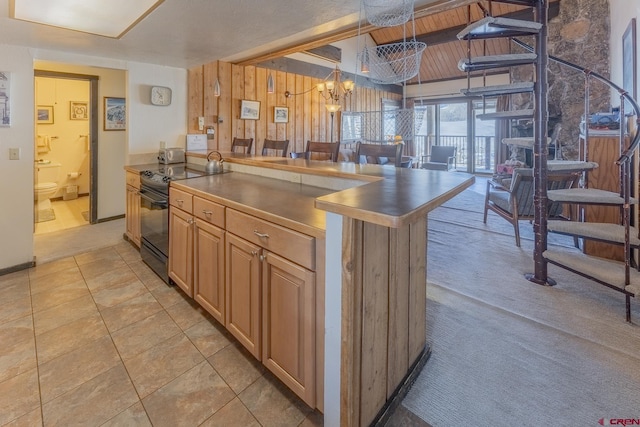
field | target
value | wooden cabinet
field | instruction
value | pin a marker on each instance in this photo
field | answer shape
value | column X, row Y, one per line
column 209, row 268
column 288, row 323
column 243, row 272
column 181, row 249
column 132, row 208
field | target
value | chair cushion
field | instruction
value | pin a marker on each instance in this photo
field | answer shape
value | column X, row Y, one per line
column 435, row 166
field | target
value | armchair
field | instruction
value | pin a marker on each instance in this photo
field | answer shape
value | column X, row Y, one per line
column 442, row 157
column 512, row 198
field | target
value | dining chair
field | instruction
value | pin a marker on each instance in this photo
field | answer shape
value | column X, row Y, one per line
column 275, row 148
column 244, row 144
column 379, row 153
column 325, row 150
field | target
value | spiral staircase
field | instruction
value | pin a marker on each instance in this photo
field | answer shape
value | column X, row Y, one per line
column 616, row 275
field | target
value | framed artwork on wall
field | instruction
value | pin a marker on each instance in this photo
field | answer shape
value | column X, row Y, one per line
column 78, row 110
column 5, row 110
column 115, row 113
column 280, row 115
column 629, row 71
column 44, row 114
column 250, row 110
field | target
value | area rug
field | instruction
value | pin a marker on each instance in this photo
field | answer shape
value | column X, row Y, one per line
column 85, row 215
column 45, row 215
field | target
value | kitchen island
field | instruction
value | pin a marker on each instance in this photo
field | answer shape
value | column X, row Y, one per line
column 320, row 270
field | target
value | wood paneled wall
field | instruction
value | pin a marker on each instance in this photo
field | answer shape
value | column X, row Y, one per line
column 308, row 117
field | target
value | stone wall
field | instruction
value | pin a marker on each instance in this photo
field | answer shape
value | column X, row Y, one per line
column 579, row 34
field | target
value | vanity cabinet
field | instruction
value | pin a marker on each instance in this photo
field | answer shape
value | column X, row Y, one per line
column 132, row 208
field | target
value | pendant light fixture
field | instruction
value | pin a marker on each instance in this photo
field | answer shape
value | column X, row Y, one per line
column 270, row 84
column 216, row 88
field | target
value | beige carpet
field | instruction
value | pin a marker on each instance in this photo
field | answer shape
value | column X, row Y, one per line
column 507, row 352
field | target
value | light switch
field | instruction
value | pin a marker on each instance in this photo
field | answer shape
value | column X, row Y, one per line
column 201, row 123
column 14, row 154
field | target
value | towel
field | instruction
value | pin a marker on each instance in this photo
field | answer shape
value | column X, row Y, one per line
column 44, row 144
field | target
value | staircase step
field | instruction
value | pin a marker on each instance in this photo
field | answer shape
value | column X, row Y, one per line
column 480, row 63
column 611, row 233
column 570, row 165
column 602, row 270
column 588, row 196
column 521, row 87
column 491, row 27
column 507, row 115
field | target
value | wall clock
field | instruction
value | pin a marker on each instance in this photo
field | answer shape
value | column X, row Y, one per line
column 160, row 95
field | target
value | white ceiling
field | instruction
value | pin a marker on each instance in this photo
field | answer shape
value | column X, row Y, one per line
column 187, row 33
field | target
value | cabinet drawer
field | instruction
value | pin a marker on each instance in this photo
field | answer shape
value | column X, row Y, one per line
column 290, row 244
column 208, row 211
column 181, row 199
column 133, row 179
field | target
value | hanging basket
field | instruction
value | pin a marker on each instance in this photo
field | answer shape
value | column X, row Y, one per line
column 395, row 62
column 388, row 13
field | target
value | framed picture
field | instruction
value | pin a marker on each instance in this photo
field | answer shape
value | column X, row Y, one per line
column 5, row 96
column 44, row 114
column 280, row 114
column 250, row 110
column 629, row 63
column 115, row 113
column 79, row 110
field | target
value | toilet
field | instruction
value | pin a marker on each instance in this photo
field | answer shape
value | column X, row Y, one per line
column 47, row 184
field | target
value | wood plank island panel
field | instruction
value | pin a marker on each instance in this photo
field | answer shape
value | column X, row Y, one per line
column 308, row 117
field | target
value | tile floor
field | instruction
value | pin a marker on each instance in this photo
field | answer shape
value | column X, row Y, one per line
column 68, row 215
column 97, row 339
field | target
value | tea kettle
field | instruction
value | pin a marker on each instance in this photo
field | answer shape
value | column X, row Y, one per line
column 214, row 166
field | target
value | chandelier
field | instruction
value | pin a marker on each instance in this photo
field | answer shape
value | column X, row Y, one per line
column 333, row 89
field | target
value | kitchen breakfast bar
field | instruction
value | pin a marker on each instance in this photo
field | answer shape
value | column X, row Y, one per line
column 319, row 269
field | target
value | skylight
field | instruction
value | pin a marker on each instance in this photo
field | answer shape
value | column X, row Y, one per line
column 109, row 18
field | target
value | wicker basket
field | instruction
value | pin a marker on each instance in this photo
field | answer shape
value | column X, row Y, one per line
column 395, row 62
column 388, row 13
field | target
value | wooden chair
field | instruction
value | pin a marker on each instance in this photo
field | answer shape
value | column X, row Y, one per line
column 324, row 149
column 442, row 157
column 273, row 146
column 512, row 198
column 244, row 144
column 379, row 153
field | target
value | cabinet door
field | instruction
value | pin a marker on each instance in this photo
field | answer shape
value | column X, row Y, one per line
column 133, row 215
column 181, row 249
column 208, row 283
column 243, row 292
column 288, row 321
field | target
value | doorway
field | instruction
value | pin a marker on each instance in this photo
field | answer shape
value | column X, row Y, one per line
column 65, row 169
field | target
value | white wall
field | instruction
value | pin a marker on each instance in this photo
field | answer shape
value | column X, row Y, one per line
column 622, row 11
column 146, row 126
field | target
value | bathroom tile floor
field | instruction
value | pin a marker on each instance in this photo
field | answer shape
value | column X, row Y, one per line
column 97, row 339
column 68, row 215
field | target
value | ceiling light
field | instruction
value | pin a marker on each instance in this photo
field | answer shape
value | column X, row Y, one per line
column 109, row 18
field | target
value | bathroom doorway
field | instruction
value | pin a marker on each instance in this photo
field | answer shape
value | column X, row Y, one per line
column 65, row 168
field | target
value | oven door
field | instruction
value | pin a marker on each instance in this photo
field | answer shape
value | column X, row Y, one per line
column 154, row 229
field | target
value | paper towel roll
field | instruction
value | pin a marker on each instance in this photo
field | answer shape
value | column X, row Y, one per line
column 74, row 175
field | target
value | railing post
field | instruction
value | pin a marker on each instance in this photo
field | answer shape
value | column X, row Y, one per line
column 540, row 152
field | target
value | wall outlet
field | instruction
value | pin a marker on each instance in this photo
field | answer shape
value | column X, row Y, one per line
column 14, row 154
column 201, row 123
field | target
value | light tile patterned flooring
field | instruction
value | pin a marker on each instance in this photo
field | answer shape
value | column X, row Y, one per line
column 98, row 339
column 68, row 215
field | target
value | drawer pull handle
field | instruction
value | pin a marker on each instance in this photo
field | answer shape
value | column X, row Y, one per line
column 254, row 253
column 207, row 213
column 261, row 235
column 180, row 201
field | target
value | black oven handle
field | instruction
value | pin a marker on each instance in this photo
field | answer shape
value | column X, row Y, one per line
column 159, row 202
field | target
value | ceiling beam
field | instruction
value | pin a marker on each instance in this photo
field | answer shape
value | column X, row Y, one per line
column 349, row 32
